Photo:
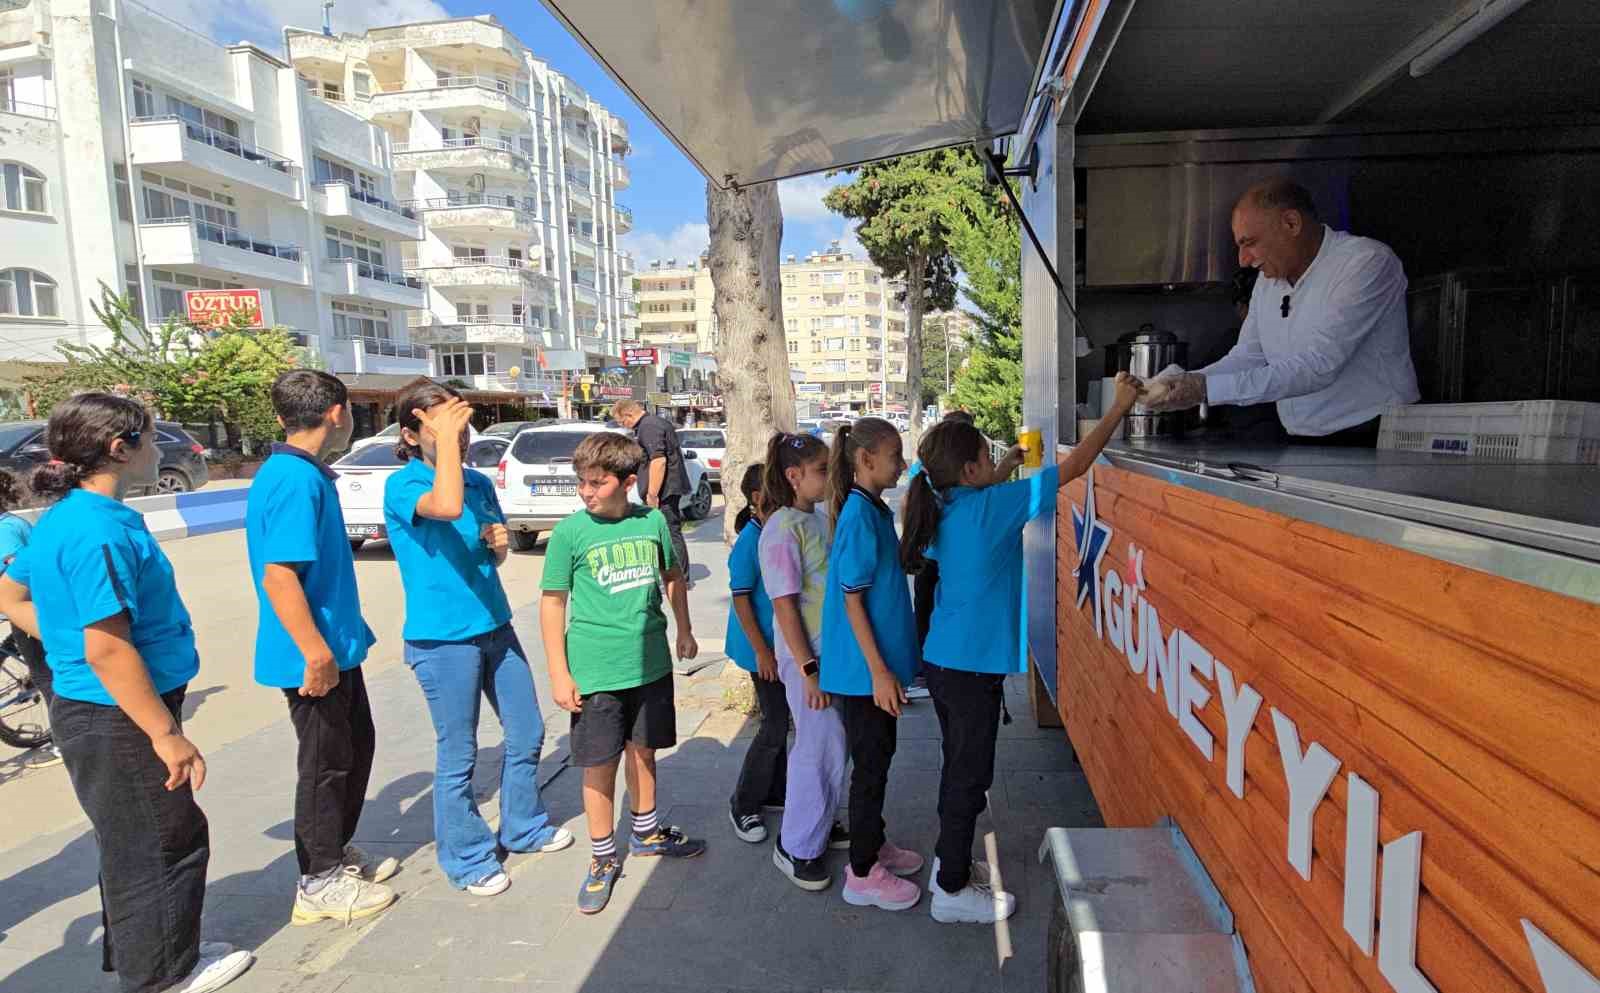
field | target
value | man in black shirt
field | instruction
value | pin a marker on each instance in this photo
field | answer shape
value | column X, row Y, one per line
column 663, row 480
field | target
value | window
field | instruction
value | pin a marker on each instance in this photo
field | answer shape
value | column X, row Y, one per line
column 790, row 324
column 8, row 89
column 24, row 188
column 813, row 279
column 794, row 347
column 130, row 286
column 788, row 279
column 835, row 344
column 25, row 293
column 834, row 365
column 332, row 91
column 361, row 85
column 144, row 99
column 464, row 360
column 855, row 344
column 516, row 313
column 124, row 192
column 351, row 320
column 169, row 287
column 168, row 198
column 342, row 244
column 464, row 253
column 813, row 301
column 832, row 278
column 205, row 118
column 872, row 279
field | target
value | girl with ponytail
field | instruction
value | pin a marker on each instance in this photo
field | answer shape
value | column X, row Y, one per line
column 794, row 562
column 95, row 587
column 960, row 516
column 869, row 651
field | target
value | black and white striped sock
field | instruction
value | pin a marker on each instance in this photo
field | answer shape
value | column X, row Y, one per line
column 644, row 824
column 604, row 848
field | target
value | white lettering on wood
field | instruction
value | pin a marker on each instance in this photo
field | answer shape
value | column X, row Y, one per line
column 1193, row 694
column 1360, row 861
column 1397, row 938
column 1309, row 776
column 1558, row 971
column 1239, row 708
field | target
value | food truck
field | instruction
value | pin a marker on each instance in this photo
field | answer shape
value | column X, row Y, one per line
column 1359, row 681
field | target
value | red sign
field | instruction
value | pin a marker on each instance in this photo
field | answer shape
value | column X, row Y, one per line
column 219, row 308
column 614, row 392
column 874, row 387
column 638, row 356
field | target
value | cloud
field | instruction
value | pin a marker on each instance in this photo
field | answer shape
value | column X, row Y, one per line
column 263, row 21
column 684, row 242
column 802, row 199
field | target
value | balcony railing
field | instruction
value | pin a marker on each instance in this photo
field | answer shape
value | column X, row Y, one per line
column 449, row 82
column 25, row 108
column 467, row 200
column 233, row 237
column 357, row 193
column 624, row 215
column 232, row 144
column 366, row 270
column 497, row 261
column 386, row 346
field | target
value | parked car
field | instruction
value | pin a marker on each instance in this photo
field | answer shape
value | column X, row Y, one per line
column 183, row 461
column 510, row 429
column 537, row 486
column 708, row 444
column 837, row 415
column 391, row 435
column 364, row 472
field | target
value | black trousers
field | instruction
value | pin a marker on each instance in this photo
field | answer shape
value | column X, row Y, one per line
column 154, row 843
column 968, row 705
column 922, row 587
column 869, row 735
column 674, row 516
column 337, row 741
column 765, row 773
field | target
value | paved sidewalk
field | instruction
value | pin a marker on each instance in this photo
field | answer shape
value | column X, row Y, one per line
column 722, row 923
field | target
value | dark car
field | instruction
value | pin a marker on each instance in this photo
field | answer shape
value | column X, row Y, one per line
column 183, row 463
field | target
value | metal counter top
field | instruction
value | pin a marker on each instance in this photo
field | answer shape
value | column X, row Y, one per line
column 1533, row 522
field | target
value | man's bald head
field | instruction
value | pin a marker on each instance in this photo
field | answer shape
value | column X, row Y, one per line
column 1276, row 228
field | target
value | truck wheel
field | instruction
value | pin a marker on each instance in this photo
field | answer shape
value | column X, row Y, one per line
column 523, row 541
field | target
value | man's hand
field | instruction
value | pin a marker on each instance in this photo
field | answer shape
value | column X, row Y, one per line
column 183, row 761
column 767, row 665
column 887, row 693
column 447, row 420
column 566, row 692
column 815, row 698
column 322, row 675
column 496, row 537
column 653, row 500
column 1176, row 392
column 687, row 647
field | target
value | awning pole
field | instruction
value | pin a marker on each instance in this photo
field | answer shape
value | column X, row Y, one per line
column 998, row 164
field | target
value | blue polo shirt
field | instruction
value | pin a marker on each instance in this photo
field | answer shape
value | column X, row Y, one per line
column 91, row 558
column 293, row 518
column 744, row 578
column 977, row 606
column 452, row 585
column 14, row 531
column 865, row 559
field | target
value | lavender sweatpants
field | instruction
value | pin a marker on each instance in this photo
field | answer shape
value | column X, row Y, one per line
column 816, row 768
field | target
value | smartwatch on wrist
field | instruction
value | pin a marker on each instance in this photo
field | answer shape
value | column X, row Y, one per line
column 809, row 667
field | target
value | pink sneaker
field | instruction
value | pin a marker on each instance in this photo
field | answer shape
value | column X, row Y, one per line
column 900, row 861
column 880, row 889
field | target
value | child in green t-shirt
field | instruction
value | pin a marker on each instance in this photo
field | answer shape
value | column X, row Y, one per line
column 611, row 667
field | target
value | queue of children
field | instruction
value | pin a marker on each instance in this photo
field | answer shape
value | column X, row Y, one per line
column 821, row 617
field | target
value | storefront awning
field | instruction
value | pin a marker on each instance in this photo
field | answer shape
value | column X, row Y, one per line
column 758, row 90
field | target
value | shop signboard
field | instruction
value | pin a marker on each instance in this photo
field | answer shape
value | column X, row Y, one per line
column 217, row 309
column 638, row 356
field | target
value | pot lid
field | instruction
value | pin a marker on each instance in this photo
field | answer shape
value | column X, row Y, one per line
column 1148, row 335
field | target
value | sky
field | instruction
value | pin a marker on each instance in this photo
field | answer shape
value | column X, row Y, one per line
column 668, row 192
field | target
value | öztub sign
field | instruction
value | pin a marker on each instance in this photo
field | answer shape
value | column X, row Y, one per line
column 1129, row 623
column 219, row 308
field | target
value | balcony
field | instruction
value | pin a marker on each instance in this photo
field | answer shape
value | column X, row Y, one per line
column 23, row 108
column 487, row 272
column 475, row 94
column 624, row 261
column 575, row 144
column 478, row 213
column 463, row 38
column 582, row 243
column 365, row 281
column 578, row 195
column 584, row 294
column 223, row 252
column 620, row 177
column 624, row 217
column 470, row 154
column 500, row 329
column 619, row 129
column 186, row 150
column 341, row 200
column 388, row 347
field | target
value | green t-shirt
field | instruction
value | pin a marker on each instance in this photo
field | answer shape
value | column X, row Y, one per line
column 612, row 569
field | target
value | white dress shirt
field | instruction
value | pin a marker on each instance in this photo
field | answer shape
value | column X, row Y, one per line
column 1343, row 354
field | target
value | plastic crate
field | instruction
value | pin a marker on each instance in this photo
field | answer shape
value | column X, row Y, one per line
column 1512, row 431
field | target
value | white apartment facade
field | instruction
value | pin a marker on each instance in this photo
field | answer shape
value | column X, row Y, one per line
column 675, row 306
column 140, row 155
column 514, row 171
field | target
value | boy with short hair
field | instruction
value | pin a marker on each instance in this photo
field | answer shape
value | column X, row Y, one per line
column 612, row 669
column 311, row 642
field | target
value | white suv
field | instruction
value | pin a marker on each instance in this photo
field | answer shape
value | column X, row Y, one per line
column 537, row 486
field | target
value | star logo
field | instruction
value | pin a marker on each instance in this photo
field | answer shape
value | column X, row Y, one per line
column 1093, row 536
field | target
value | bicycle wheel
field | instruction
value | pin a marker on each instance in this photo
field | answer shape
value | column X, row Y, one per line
column 24, row 719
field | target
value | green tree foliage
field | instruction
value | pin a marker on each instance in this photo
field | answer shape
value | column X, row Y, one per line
column 986, row 243
column 181, row 373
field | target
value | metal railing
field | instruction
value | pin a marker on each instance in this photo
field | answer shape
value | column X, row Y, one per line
column 498, row 200
column 366, row 270
column 222, row 141
column 623, row 213
column 26, row 108
column 496, row 261
column 356, row 193
column 387, row 346
column 221, row 234
column 449, row 82
column 582, row 237
column 468, row 141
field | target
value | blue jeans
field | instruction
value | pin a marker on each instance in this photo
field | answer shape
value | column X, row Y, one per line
column 455, row 676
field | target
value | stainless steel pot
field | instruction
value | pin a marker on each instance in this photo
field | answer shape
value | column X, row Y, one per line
column 1144, row 353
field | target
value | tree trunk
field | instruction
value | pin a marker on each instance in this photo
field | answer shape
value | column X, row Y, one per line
column 752, row 359
column 916, row 272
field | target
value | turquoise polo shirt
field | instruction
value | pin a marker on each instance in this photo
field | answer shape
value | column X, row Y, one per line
column 744, row 579
column 452, row 585
column 292, row 517
column 14, row 531
column 91, row 558
column 865, row 559
column 977, row 606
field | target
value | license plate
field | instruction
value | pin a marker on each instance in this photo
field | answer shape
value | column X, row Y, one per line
column 364, row 530
column 554, row 489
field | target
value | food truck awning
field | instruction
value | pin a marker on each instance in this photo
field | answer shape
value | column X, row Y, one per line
column 758, row 90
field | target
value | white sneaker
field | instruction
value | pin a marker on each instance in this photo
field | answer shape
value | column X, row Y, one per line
column 371, row 868
column 975, row 904
column 979, row 872
column 220, row 964
column 917, row 691
column 494, row 884
column 346, row 897
column 560, row 840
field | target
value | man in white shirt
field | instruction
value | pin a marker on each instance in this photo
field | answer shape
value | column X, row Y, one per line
column 1326, row 338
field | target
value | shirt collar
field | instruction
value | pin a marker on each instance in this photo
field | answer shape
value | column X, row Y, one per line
column 875, row 501
column 284, row 448
column 1322, row 252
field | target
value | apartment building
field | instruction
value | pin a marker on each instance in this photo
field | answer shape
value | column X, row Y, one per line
column 675, row 306
column 846, row 329
column 139, row 155
column 514, row 171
